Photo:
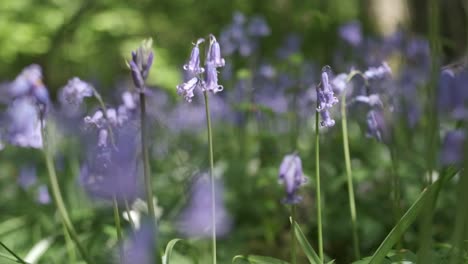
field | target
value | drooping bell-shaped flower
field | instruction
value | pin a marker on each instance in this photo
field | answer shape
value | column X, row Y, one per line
column 193, row 65
column 376, row 125
column 378, row 72
column 452, row 147
column 29, row 83
column 292, row 176
column 74, row 92
column 325, row 98
column 211, row 79
column 214, row 54
column 24, row 129
column 186, row 89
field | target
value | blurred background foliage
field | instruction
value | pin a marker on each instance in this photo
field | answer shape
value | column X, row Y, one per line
column 92, row 39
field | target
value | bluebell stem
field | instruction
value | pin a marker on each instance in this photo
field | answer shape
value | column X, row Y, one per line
column 351, row 33
column 193, row 65
column 452, row 147
column 291, row 175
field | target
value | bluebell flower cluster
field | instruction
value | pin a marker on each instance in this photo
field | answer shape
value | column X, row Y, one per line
column 242, row 35
column 27, row 108
column 208, row 82
column 325, row 99
column 140, row 64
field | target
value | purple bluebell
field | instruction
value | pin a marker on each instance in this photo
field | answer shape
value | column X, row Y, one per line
column 208, row 82
column 351, row 33
column 141, row 62
column 339, row 83
column 75, row 91
column 214, row 54
column 111, row 168
column 378, row 72
column 196, row 219
column 140, row 246
column 43, row 196
column 186, row 89
column 258, row 27
column 291, row 175
column 376, row 125
column 24, row 129
column 452, row 147
column 325, row 98
column 211, row 79
column 27, row 177
column 372, row 100
column 193, row 65
column 29, row 83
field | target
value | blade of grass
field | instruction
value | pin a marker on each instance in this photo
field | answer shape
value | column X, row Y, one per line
column 20, row 260
column 408, row 218
column 170, row 246
column 305, row 245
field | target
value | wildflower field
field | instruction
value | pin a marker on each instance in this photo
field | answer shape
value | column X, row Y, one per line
column 321, row 131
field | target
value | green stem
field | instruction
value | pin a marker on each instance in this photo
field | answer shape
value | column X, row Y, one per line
column 396, row 188
column 56, row 194
column 317, row 183
column 293, row 234
column 118, row 227
column 213, row 196
column 461, row 219
column 146, row 165
column 349, row 177
column 69, row 245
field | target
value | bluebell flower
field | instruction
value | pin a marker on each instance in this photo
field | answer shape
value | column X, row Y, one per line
column 376, row 127
column 452, row 147
column 214, row 54
column 29, row 83
column 325, row 99
column 326, row 121
column 27, row 177
column 258, row 27
column 140, row 246
column 211, row 79
column 43, row 196
column 196, row 219
column 24, row 129
column 141, row 62
column 186, row 89
column 378, row 72
column 193, row 65
column 292, row 176
column 351, row 33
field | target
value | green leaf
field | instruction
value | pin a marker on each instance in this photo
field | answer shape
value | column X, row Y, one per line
column 255, row 259
column 20, row 260
column 408, row 218
column 170, row 246
column 331, row 261
column 305, row 245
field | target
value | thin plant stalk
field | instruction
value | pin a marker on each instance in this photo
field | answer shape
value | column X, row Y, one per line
column 118, row 227
column 69, row 245
column 212, row 179
column 317, row 184
column 56, row 194
column 349, row 177
column 293, row 234
column 396, row 189
column 146, row 165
